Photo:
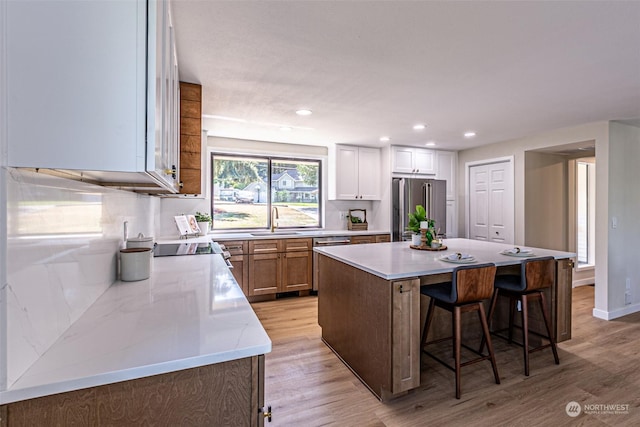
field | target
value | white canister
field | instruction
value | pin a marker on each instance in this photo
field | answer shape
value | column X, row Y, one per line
column 135, row 264
column 140, row 242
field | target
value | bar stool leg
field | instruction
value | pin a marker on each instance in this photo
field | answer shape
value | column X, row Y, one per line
column 487, row 337
column 427, row 323
column 457, row 344
column 492, row 307
column 525, row 332
column 512, row 314
column 545, row 315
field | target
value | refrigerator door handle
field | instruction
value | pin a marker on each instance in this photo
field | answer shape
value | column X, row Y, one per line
column 402, row 209
column 429, row 199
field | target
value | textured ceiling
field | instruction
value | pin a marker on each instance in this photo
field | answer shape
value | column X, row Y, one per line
column 371, row 68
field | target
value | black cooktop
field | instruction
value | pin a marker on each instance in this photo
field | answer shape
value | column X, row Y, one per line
column 175, row 249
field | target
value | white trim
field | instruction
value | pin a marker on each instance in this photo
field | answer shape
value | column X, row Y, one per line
column 615, row 314
column 469, row 165
column 4, row 144
column 583, row 282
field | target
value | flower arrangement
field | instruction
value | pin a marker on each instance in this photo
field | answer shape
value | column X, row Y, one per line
column 418, row 220
column 415, row 218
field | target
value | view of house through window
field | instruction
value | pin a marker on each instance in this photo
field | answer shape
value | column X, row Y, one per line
column 245, row 189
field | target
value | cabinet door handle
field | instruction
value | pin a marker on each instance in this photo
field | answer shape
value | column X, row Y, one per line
column 267, row 413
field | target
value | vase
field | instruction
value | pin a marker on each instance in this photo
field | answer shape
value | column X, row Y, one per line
column 204, row 227
column 415, row 239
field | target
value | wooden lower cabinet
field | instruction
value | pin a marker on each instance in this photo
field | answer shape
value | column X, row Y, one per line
column 228, row 393
column 296, row 271
column 373, row 238
column 283, row 265
column 264, row 273
column 269, row 266
column 240, row 271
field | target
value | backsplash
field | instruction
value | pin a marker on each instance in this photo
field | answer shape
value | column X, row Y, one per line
column 62, row 240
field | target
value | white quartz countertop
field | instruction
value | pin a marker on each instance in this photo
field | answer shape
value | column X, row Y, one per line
column 285, row 234
column 397, row 260
column 190, row 313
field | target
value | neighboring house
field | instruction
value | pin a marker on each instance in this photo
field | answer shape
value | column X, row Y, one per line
column 287, row 186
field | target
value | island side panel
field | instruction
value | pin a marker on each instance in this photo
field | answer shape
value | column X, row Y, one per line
column 354, row 311
column 561, row 306
column 406, row 335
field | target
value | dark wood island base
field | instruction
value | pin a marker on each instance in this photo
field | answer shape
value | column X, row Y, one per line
column 374, row 325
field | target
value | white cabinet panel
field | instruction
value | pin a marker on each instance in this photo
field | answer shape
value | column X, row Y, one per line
column 369, row 173
column 357, row 173
column 347, row 173
column 408, row 160
column 403, row 159
column 447, row 170
column 425, row 161
column 77, row 78
column 452, row 219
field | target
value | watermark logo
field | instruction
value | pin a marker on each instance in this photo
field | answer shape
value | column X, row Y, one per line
column 573, row 409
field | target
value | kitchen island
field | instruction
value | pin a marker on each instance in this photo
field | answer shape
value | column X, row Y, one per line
column 369, row 304
column 183, row 347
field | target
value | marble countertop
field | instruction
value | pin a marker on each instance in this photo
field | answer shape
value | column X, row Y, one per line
column 397, row 260
column 190, row 313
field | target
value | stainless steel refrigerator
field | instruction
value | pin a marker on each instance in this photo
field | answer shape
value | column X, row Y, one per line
column 409, row 192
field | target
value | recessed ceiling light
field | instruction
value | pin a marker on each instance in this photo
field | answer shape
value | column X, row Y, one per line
column 430, row 144
column 304, row 112
column 285, row 128
column 385, row 139
column 469, row 134
column 419, row 127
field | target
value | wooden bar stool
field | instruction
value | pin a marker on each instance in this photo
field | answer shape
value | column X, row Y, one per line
column 536, row 275
column 469, row 286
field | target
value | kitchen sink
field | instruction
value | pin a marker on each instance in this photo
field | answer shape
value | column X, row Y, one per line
column 275, row 233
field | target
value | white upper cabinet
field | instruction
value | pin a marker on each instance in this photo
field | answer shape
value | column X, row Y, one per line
column 447, row 170
column 357, row 173
column 81, row 95
column 408, row 160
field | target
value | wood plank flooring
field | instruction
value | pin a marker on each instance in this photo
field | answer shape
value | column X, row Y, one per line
column 307, row 385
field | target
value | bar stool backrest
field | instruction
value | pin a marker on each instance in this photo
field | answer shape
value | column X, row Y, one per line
column 538, row 273
column 472, row 282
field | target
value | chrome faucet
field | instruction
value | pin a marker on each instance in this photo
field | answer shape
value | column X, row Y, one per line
column 274, row 225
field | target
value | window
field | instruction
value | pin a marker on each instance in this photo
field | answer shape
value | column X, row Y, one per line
column 585, row 193
column 245, row 188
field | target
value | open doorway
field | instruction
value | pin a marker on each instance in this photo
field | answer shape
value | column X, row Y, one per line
column 560, row 202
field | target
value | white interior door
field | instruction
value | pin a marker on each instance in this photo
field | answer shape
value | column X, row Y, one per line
column 491, row 204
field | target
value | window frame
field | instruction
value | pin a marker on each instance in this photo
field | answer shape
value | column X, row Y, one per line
column 269, row 206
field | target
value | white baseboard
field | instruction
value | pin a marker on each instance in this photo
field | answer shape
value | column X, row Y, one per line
column 614, row 314
column 582, row 282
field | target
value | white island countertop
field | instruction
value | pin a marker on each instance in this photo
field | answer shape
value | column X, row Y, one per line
column 190, row 313
column 397, row 260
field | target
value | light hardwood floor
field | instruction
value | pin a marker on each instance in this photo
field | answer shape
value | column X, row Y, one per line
column 307, row 385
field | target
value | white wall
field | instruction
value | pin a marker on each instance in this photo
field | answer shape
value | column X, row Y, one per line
column 61, row 245
column 377, row 212
column 623, row 201
column 597, row 131
column 546, row 201
column 617, row 174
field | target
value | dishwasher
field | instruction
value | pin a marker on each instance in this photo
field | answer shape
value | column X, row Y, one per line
column 320, row 242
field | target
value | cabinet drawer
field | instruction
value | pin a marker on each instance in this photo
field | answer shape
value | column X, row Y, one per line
column 356, row 240
column 382, row 238
column 265, row 246
column 291, row 245
column 236, row 247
